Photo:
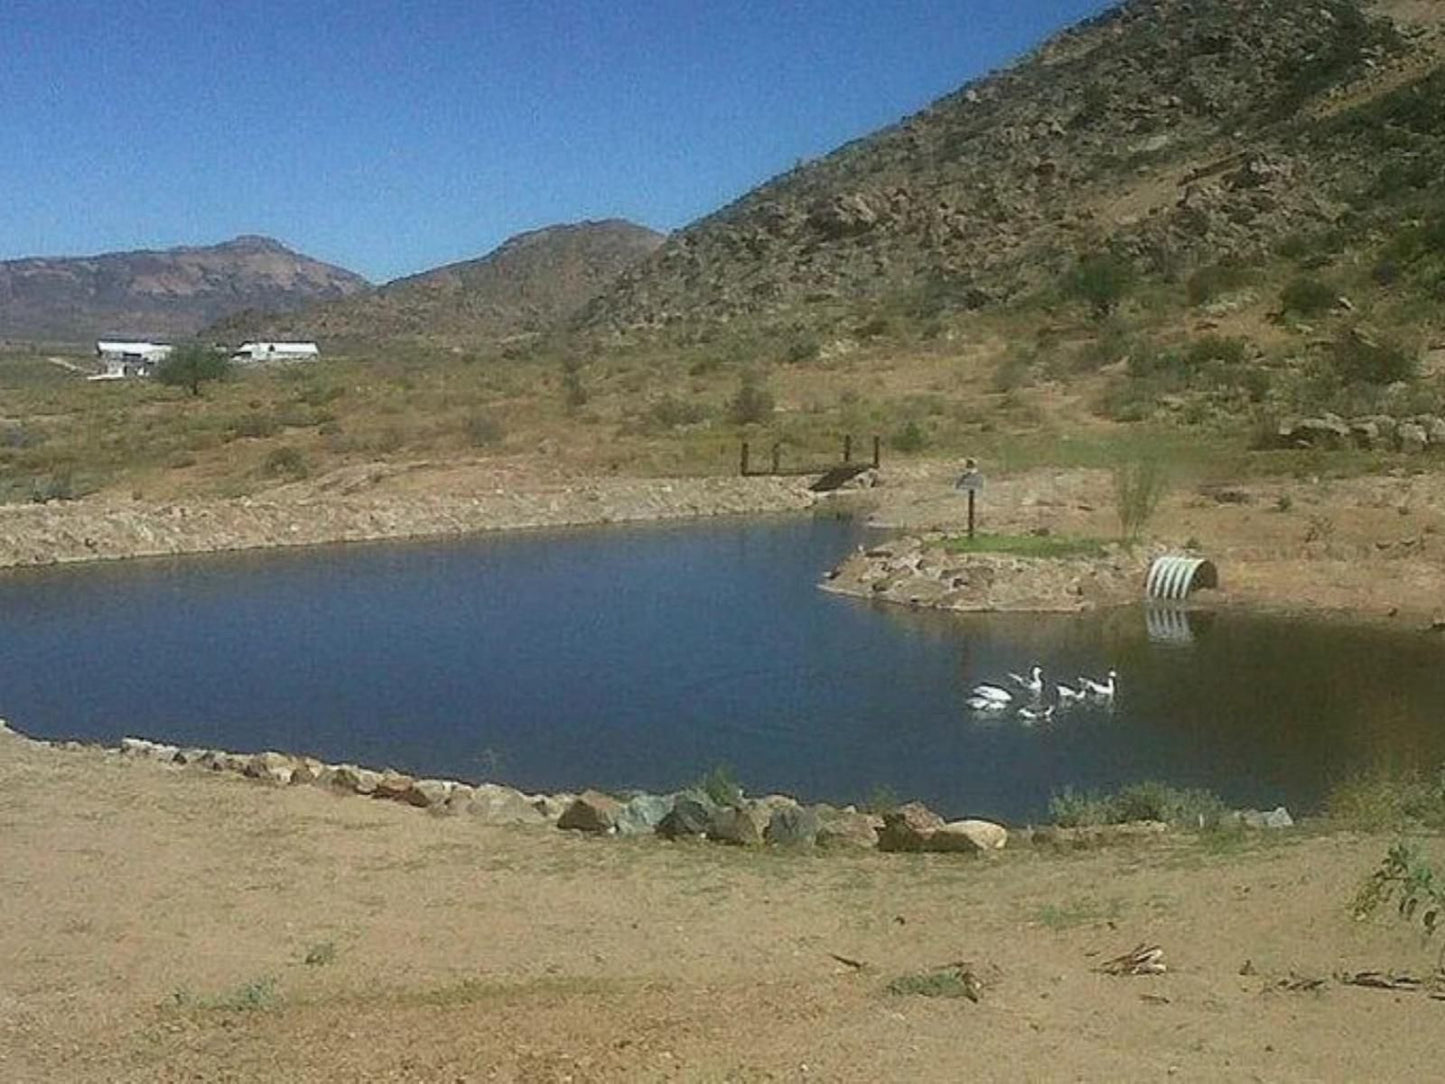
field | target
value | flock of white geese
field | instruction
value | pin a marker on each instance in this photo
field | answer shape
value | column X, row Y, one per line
column 1029, row 703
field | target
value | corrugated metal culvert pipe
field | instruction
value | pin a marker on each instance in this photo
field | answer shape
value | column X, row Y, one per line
column 1173, row 577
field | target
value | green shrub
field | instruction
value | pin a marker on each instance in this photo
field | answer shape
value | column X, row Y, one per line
column 720, row 785
column 1102, row 279
column 1214, row 281
column 669, row 412
column 1359, row 358
column 1306, row 296
column 1153, row 801
column 752, row 403
column 1138, row 488
column 484, row 430
column 910, row 438
column 254, row 426
column 287, row 462
column 1416, row 887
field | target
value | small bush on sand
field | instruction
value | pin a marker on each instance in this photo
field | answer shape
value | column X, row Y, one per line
column 1139, row 486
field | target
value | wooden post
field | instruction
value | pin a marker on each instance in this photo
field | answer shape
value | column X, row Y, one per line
column 876, row 443
column 970, row 515
column 745, row 459
column 777, row 457
column 848, row 448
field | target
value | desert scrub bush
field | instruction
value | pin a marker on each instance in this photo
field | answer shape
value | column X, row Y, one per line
column 1415, row 887
column 1306, row 296
column 1214, row 281
column 253, row 426
column 751, row 403
column 909, row 438
column 484, row 431
column 1139, row 486
column 800, row 348
column 1101, row 279
column 720, row 785
column 1385, row 800
column 574, row 392
column 1149, row 800
column 670, row 412
column 1358, row 357
column 1014, row 371
column 285, row 462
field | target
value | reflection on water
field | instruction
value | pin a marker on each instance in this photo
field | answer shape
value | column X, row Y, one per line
column 644, row 657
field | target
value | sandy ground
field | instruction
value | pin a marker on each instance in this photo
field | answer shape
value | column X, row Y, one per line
column 155, row 925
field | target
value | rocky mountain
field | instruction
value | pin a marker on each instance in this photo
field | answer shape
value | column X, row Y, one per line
column 532, row 282
column 161, row 294
column 1166, row 133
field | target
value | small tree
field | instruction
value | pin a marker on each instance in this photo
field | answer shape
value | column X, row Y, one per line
column 190, row 364
column 752, row 403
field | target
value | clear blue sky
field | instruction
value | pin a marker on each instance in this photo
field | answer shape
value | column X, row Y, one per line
column 393, row 137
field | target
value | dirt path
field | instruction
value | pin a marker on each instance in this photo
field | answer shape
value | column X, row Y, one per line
column 156, row 925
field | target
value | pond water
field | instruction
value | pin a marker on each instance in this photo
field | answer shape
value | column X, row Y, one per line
column 644, row 657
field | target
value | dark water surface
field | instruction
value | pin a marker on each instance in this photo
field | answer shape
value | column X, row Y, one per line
column 642, row 657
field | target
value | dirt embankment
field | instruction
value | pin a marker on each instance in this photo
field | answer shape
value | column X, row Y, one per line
column 375, row 504
column 164, row 924
column 1365, row 548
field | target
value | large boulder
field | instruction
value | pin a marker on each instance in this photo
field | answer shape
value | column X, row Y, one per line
column 741, row 825
column 908, row 828
column 393, row 785
column 969, row 836
column 642, row 813
column 431, row 794
column 492, row 803
column 591, row 811
column 690, row 815
column 1413, row 437
column 270, row 767
column 792, row 826
column 840, row 829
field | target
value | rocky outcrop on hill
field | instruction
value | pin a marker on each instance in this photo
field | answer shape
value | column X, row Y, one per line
column 532, row 283
column 159, row 294
column 1170, row 132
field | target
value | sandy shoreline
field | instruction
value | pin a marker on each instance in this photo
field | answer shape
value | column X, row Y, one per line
column 1361, row 549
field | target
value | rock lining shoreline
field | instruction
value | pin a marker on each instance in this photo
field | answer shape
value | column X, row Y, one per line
column 775, row 820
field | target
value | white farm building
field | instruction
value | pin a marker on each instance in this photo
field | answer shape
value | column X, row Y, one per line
column 269, row 351
column 119, row 360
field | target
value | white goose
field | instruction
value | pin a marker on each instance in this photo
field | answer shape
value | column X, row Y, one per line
column 986, row 704
column 1100, row 690
column 996, row 693
column 1034, row 683
column 1069, row 695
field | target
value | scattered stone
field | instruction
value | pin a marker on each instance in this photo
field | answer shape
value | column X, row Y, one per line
column 1276, row 818
column 591, row 811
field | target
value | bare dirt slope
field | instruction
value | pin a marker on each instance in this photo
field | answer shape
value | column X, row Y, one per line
column 155, row 924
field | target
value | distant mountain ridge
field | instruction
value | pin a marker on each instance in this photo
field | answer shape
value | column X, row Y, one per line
column 532, row 282
column 164, row 293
